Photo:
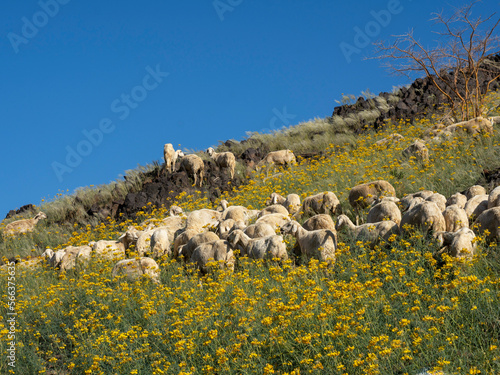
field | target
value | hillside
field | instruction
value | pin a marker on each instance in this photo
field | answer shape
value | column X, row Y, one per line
column 393, row 308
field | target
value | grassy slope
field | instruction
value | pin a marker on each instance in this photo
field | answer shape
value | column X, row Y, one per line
column 383, row 310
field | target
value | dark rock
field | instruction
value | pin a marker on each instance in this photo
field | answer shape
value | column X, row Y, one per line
column 28, row 207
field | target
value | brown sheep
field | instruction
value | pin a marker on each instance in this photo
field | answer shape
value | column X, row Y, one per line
column 322, row 203
column 361, row 196
column 474, row 126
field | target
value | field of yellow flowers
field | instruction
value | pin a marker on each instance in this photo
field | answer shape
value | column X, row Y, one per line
column 390, row 309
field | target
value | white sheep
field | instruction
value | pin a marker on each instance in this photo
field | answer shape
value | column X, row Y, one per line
column 74, row 256
column 183, row 238
column 369, row 232
column 281, row 157
column 55, row 259
column 274, row 209
column 476, row 205
column 439, row 199
column 259, row 230
column 194, row 166
column 475, row 190
column 494, row 198
column 319, row 221
column 322, row 203
column 160, row 243
column 417, row 149
column 223, row 160
column 136, row 268
column 227, row 226
column 455, row 218
column 385, row 210
column 320, row 244
column 170, row 155
column 110, row 249
column 291, row 202
column 459, row 244
column 274, row 220
column 237, row 213
column 459, row 199
column 361, row 196
column 425, row 215
column 203, row 219
column 218, row 251
column 489, row 220
column 23, row 226
column 187, row 249
column 258, row 248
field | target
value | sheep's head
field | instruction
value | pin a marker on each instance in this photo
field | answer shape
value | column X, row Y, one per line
column 176, row 211
column 290, row 227
column 180, row 154
column 234, row 237
column 342, row 221
column 41, row 215
column 224, row 204
column 210, row 151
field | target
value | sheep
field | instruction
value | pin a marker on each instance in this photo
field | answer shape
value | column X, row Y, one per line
column 385, row 210
column 194, row 166
column 219, row 251
column 434, row 131
column 56, row 258
column 223, row 160
column 459, row 199
column 173, row 225
column 475, row 190
column 274, row 209
column 203, row 219
column 439, row 199
column 160, row 243
column 476, row 205
column 259, row 230
column 170, row 155
column 320, row 244
column 489, row 220
column 494, row 198
column 322, row 203
column 187, row 250
column 411, row 200
column 291, row 202
column 474, row 126
column 369, row 232
column 274, row 220
column 417, row 149
column 237, row 213
column 361, row 196
column 23, row 226
column 183, row 238
column 455, row 218
column 281, row 157
column 74, row 255
column 110, row 248
column 269, row 247
column 143, row 243
column 389, row 140
column 136, row 268
column 225, row 227
column 319, row 221
column 425, row 215
column 459, row 244
column 494, row 120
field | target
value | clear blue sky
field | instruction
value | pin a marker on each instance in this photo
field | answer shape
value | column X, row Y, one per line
column 144, row 73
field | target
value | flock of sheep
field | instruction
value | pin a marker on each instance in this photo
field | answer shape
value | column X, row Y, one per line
column 206, row 235
column 194, row 166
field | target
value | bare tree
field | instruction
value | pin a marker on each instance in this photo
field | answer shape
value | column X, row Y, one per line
column 459, row 65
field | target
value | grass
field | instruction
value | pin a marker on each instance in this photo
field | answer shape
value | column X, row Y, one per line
column 385, row 310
